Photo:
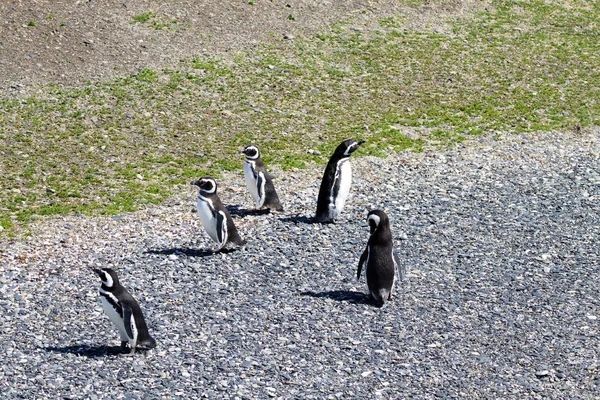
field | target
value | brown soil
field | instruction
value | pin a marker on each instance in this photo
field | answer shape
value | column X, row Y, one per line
column 67, row 42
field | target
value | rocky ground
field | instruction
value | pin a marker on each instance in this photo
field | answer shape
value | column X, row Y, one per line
column 500, row 237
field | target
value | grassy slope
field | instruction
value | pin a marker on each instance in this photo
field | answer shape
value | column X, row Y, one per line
column 110, row 147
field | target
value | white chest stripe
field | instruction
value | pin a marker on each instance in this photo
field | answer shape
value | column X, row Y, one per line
column 109, row 294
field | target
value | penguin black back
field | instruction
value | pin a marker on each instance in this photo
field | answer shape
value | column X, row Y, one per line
column 379, row 258
column 335, row 185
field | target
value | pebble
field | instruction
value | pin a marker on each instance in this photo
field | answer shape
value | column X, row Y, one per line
column 285, row 316
column 542, row 374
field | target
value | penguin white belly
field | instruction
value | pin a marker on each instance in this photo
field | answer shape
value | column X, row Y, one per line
column 344, row 175
column 208, row 219
column 251, row 182
column 114, row 316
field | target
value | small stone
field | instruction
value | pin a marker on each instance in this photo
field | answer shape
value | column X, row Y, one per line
column 289, row 36
column 542, row 374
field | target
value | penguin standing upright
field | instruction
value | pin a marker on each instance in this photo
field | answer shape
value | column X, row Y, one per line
column 336, row 182
column 379, row 259
column 258, row 180
column 214, row 216
column 124, row 312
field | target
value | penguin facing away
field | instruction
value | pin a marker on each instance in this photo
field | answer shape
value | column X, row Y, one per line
column 214, row 216
column 335, row 185
column 379, row 259
column 124, row 312
column 258, row 180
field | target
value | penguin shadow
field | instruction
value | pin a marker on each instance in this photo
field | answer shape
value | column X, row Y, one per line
column 345, row 296
column 87, row 351
column 299, row 219
column 235, row 210
column 189, row 252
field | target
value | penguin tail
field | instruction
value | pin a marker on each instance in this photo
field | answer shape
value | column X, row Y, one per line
column 147, row 344
column 237, row 242
column 380, row 297
column 384, row 294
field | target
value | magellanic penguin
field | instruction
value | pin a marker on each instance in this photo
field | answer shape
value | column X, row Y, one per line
column 336, row 182
column 214, row 216
column 258, row 180
column 124, row 312
column 379, row 259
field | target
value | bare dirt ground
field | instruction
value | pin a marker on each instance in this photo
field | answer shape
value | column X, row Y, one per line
column 69, row 42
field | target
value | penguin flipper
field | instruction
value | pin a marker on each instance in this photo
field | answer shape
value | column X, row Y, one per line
column 401, row 269
column 363, row 258
column 260, row 188
column 222, row 234
column 127, row 321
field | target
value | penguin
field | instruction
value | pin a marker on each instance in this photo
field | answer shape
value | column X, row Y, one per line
column 379, row 259
column 214, row 216
column 124, row 312
column 258, row 180
column 336, row 181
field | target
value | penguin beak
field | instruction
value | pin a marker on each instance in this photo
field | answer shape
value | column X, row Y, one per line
column 360, row 142
column 195, row 182
column 97, row 271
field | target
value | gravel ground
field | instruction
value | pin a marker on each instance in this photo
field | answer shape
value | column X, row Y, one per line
column 500, row 236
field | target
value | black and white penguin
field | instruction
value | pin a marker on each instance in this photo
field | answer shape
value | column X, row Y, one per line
column 336, row 182
column 214, row 216
column 258, row 180
column 379, row 259
column 124, row 312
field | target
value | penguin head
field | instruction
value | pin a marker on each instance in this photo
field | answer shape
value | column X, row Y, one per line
column 108, row 277
column 251, row 152
column 375, row 218
column 206, row 184
column 347, row 147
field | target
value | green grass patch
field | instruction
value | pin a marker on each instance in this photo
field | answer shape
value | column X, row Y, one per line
column 110, row 147
column 155, row 21
column 144, row 17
